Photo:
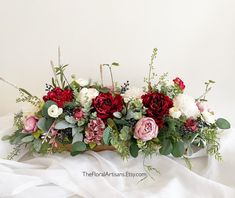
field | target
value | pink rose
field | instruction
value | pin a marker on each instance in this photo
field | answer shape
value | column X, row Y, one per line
column 146, row 129
column 30, row 124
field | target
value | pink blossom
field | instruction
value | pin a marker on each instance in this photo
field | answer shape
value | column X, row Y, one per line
column 94, row 131
column 146, row 129
column 78, row 114
column 30, row 124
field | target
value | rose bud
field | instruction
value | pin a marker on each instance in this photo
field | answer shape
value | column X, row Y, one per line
column 30, row 124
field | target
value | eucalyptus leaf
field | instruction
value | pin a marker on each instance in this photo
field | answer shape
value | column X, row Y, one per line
column 134, row 150
column 178, row 149
column 42, row 124
column 78, row 137
column 37, row 144
column 223, row 123
column 78, row 147
column 106, row 135
column 27, row 139
column 70, row 119
column 166, row 147
column 62, row 125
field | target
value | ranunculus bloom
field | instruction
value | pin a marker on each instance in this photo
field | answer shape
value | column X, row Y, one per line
column 94, row 131
column 59, row 96
column 191, row 125
column 180, row 83
column 30, row 124
column 106, row 104
column 146, row 129
column 78, row 114
column 54, row 111
column 157, row 105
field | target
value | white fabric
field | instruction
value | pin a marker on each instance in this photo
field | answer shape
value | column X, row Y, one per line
column 62, row 176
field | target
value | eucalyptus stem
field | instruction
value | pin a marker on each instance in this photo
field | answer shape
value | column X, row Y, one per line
column 101, row 75
column 151, row 67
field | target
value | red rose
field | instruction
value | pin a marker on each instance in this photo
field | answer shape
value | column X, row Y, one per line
column 59, row 96
column 106, row 104
column 179, row 82
column 157, row 105
column 191, row 125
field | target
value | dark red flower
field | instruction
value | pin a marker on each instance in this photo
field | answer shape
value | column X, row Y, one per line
column 180, row 83
column 191, row 125
column 59, row 96
column 78, row 114
column 106, row 104
column 157, row 105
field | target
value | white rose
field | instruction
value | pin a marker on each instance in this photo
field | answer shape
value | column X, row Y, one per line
column 54, row 111
column 83, row 82
column 175, row 113
column 186, row 104
column 86, row 95
column 209, row 117
column 133, row 93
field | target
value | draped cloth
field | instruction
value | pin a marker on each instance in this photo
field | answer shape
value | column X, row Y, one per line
column 102, row 174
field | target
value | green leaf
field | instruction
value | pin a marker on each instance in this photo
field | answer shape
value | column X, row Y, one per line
column 112, row 124
column 6, row 137
column 44, row 148
column 37, row 134
column 26, row 92
column 178, row 149
column 27, row 139
column 78, row 147
column 115, row 64
column 223, row 123
column 134, row 149
column 106, row 135
column 37, row 144
column 104, row 90
column 166, row 148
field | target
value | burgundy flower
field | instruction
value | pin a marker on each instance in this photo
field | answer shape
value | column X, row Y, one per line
column 180, row 83
column 191, row 125
column 106, row 104
column 157, row 105
column 59, row 96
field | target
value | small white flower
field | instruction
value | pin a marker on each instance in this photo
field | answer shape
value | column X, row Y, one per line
column 54, row 111
column 175, row 113
column 209, row 117
column 133, row 93
column 86, row 95
column 83, row 82
column 186, row 104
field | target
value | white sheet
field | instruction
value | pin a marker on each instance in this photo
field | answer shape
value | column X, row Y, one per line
column 62, row 176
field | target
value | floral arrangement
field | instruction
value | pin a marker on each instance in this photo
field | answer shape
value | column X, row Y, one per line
column 80, row 115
